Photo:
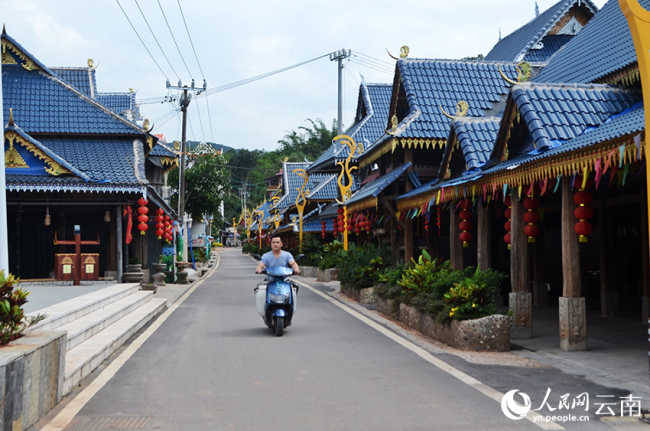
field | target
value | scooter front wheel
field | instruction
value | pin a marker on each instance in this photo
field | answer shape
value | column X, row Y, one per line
column 279, row 326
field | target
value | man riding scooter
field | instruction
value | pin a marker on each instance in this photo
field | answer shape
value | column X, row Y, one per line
column 278, row 304
column 277, row 257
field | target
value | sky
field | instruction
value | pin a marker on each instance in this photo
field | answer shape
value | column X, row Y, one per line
column 237, row 40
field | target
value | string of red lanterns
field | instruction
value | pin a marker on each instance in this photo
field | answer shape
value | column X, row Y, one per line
column 531, row 217
column 508, row 213
column 142, row 218
column 159, row 223
column 583, row 213
column 465, row 225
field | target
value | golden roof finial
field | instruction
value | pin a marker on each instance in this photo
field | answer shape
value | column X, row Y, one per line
column 11, row 117
column 91, row 64
column 4, row 28
column 505, row 78
column 394, row 123
column 403, row 52
column 461, row 110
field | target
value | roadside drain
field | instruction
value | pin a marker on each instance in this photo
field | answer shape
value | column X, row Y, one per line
column 107, row 423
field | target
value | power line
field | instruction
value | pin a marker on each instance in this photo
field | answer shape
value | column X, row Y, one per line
column 156, row 39
column 143, row 44
column 375, row 59
column 371, row 67
column 200, row 121
column 207, row 102
column 192, row 43
column 370, row 64
column 225, row 87
column 172, row 33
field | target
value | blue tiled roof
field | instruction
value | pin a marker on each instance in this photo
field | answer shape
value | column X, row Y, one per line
column 374, row 100
column 120, row 102
column 290, row 182
column 31, row 183
column 265, row 209
column 326, row 190
column 430, row 84
column 81, row 78
column 602, row 47
column 118, row 161
column 476, row 138
column 551, row 43
column 375, row 187
column 161, row 150
column 555, row 112
column 518, row 43
column 422, row 189
column 43, row 104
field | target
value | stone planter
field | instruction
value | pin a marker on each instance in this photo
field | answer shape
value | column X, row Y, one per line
column 132, row 277
column 362, row 296
column 308, row 271
column 151, row 287
column 169, row 275
column 134, row 267
column 487, row 334
column 32, row 369
column 159, row 267
column 182, row 277
column 327, row 275
column 159, row 279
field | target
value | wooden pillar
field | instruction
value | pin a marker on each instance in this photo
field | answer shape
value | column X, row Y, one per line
column 540, row 292
column 520, row 299
column 394, row 238
column 408, row 228
column 60, row 229
column 645, row 279
column 573, row 324
column 609, row 306
column 112, row 244
column 382, row 165
column 483, row 238
column 455, row 244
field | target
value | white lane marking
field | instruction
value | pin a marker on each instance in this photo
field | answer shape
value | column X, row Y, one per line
column 63, row 418
column 532, row 416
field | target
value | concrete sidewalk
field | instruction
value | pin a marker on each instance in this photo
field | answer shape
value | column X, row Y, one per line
column 617, row 355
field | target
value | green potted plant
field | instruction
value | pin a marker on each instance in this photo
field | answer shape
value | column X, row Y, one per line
column 134, row 265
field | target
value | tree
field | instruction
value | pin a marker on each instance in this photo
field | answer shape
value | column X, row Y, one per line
column 477, row 58
column 206, row 182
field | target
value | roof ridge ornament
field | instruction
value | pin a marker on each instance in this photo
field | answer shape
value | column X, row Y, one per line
column 505, row 78
column 403, row 53
column 91, row 64
column 461, row 110
column 11, row 117
column 394, row 123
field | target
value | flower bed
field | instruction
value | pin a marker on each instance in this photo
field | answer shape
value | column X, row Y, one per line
column 487, row 334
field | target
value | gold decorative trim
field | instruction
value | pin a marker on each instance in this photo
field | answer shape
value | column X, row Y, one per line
column 7, row 58
column 55, row 168
column 13, row 159
column 363, row 204
column 625, row 77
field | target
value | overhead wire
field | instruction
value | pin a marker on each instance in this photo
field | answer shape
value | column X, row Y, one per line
column 388, row 63
column 371, row 65
column 155, row 38
column 372, row 62
column 172, row 33
column 214, row 90
column 200, row 121
column 141, row 41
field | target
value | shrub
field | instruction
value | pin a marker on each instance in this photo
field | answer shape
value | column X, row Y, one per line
column 331, row 255
column 421, row 275
column 12, row 316
column 356, row 258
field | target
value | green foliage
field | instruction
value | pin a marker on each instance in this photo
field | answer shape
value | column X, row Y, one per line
column 479, row 57
column 331, row 255
column 359, row 266
column 200, row 255
column 312, row 248
column 12, row 316
column 419, row 277
column 206, row 180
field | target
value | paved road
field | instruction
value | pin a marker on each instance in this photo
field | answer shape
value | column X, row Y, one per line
column 213, row 365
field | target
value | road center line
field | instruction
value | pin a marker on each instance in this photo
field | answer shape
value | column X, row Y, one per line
column 532, row 416
column 63, row 418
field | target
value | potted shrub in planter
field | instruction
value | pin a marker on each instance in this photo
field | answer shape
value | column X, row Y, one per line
column 12, row 316
column 181, row 274
column 134, row 265
column 160, row 266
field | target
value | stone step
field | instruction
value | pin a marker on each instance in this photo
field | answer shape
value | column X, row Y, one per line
column 84, row 358
column 75, row 308
column 85, row 327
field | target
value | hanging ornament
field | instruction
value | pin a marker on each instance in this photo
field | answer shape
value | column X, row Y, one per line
column 465, row 225
column 143, row 218
column 583, row 213
column 531, row 217
column 129, row 223
column 508, row 212
column 439, row 219
column 426, row 225
column 159, row 223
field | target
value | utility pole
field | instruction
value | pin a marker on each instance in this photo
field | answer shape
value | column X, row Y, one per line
column 184, row 103
column 340, row 55
column 4, row 234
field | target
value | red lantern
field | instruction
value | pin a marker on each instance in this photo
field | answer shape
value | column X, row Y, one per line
column 160, row 233
column 439, row 223
column 426, row 225
column 465, row 225
column 531, row 217
column 508, row 212
column 339, row 211
column 142, row 218
column 583, row 213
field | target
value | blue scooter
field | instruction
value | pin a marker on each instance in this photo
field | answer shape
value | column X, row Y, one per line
column 279, row 299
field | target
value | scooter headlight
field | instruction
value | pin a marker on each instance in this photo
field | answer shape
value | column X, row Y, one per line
column 279, row 299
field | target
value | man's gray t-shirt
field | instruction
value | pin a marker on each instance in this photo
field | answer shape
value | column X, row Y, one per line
column 271, row 261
